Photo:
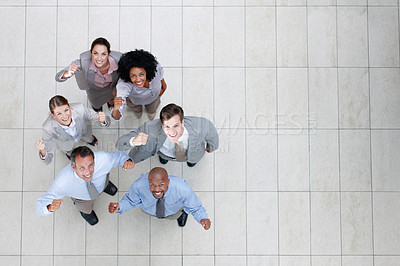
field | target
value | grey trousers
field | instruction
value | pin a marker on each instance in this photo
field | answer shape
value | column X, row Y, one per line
column 151, row 108
column 86, row 206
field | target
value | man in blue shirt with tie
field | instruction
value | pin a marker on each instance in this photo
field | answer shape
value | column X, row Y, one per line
column 163, row 196
column 83, row 180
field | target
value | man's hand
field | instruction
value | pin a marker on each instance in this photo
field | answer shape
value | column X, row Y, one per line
column 140, row 139
column 41, row 147
column 55, row 205
column 113, row 207
column 128, row 165
column 206, row 223
column 101, row 117
column 71, row 71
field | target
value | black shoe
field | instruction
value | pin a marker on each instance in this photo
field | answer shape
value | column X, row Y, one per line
column 190, row 164
column 68, row 156
column 182, row 219
column 94, row 141
column 111, row 189
column 162, row 161
column 90, row 218
column 110, row 106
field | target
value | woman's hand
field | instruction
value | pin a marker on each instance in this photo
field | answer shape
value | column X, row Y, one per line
column 41, row 147
column 71, row 71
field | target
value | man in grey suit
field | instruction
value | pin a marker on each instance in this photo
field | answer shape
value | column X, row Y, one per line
column 173, row 137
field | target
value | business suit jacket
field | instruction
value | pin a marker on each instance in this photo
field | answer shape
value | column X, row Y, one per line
column 54, row 135
column 85, row 78
column 202, row 135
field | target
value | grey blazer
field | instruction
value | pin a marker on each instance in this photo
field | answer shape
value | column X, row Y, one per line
column 202, row 135
column 54, row 135
column 85, row 78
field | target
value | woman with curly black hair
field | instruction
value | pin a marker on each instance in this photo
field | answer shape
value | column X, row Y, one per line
column 141, row 83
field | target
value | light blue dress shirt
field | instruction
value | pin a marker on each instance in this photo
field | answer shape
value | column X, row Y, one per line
column 68, row 183
column 178, row 195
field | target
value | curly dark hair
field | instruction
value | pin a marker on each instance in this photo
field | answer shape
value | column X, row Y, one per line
column 140, row 59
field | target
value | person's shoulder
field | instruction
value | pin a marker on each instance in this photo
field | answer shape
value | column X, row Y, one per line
column 86, row 55
column 141, row 182
column 115, row 55
column 65, row 175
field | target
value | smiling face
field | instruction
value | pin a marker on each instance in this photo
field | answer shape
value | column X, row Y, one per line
column 100, row 56
column 159, row 183
column 138, row 76
column 84, row 167
column 62, row 114
column 173, row 128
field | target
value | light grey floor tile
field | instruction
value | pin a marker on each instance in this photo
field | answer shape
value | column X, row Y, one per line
column 165, row 231
column 293, row 166
column 291, row 37
column 261, row 160
column 11, row 165
column 387, row 260
column 35, row 228
column 262, row 260
column 69, row 230
column 166, row 40
column 357, row 261
column 229, row 41
column 322, row 50
column 11, row 223
column 198, row 260
column 229, row 164
column 324, row 161
column 292, row 98
column 385, row 167
column 325, row 223
column 197, row 40
column 260, row 37
column 323, row 97
column 133, row 260
column 230, row 260
column 196, row 240
column 101, row 260
column 37, row 261
column 294, row 223
column 141, row 20
column 67, row 52
column 386, row 226
column 11, row 260
column 201, row 176
column 165, row 260
column 106, row 20
column 356, row 216
column 294, row 261
column 69, row 260
column 326, row 261
column 385, row 97
column 174, row 92
column 40, row 51
column 353, row 98
column 260, row 103
column 230, row 223
column 352, row 36
column 262, row 223
column 383, row 36
column 133, row 232
column 15, row 28
column 229, row 110
column 198, row 98
column 355, row 161
column 13, row 79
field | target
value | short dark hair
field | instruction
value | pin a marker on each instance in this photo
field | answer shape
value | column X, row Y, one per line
column 169, row 111
column 139, row 59
column 57, row 101
column 81, row 151
column 101, row 41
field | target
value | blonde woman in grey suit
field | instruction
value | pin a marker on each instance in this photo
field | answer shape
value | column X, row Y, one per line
column 96, row 73
column 66, row 125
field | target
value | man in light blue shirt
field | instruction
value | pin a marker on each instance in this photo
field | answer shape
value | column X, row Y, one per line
column 83, row 180
column 163, row 196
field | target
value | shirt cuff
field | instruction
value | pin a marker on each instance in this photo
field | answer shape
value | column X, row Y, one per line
column 131, row 142
column 42, row 157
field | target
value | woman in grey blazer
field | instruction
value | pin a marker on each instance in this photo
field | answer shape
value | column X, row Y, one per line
column 96, row 73
column 66, row 125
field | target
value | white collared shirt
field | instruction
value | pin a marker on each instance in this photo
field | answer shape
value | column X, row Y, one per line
column 168, row 148
column 71, row 130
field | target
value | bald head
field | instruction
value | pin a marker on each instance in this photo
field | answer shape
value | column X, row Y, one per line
column 158, row 182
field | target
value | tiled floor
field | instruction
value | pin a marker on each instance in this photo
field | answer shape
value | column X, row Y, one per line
column 305, row 96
